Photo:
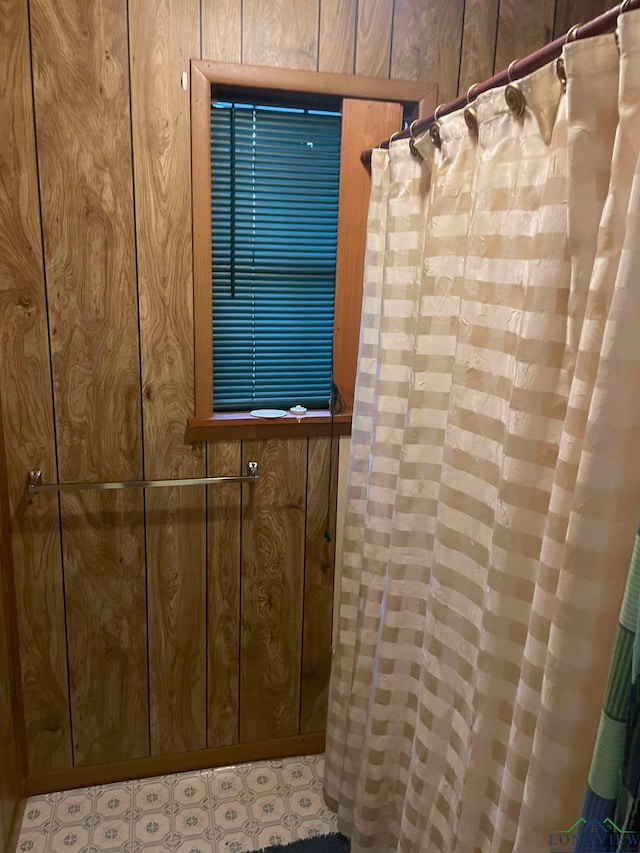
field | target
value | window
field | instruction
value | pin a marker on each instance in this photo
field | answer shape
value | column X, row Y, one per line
column 243, row 258
column 274, row 225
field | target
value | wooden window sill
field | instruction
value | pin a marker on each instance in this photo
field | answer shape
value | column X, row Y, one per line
column 225, row 426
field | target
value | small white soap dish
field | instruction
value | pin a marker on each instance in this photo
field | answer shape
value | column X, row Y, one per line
column 298, row 411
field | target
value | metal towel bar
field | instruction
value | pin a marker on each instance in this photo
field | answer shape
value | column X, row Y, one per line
column 36, row 485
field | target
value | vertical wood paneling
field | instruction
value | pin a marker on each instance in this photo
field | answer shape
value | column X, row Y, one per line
column 84, row 143
column 12, row 741
column 272, row 586
column 81, row 92
column 105, row 598
column 222, row 30
column 28, row 410
column 11, row 782
column 283, row 33
column 523, row 26
column 426, row 43
column 163, row 36
column 570, row 12
column 373, row 46
column 478, row 42
column 322, row 475
column 82, row 117
column 223, row 595
column 337, row 36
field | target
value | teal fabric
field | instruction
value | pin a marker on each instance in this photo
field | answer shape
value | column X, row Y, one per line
column 612, row 795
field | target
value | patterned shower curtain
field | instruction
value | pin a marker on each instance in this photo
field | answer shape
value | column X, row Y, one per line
column 495, row 472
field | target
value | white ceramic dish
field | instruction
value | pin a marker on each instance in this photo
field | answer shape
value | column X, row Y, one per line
column 268, row 413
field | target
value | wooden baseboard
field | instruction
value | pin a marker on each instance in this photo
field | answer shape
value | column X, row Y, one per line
column 102, row 774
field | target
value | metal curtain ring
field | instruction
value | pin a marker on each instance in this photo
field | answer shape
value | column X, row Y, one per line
column 515, row 99
column 510, row 70
column 470, row 94
column 439, row 107
column 624, row 6
column 393, row 136
column 434, row 135
column 471, row 119
column 572, row 33
column 411, row 126
column 412, row 141
column 561, row 72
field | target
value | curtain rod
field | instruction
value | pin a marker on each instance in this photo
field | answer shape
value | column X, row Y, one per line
column 604, row 23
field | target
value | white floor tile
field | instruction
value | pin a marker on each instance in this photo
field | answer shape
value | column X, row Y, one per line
column 228, row 810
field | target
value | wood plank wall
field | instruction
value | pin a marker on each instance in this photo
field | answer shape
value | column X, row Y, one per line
column 13, row 763
column 177, row 620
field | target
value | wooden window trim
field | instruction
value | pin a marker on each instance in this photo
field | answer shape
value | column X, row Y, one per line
column 375, row 122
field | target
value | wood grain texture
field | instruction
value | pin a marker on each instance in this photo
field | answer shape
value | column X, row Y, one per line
column 570, row 12
column 523, row 26
column 373, row 44
column 177, row 619
column 364, row 124
column 325, row 83
column 201, row 213
column 322, row 479
column 223, row 756
column 337, row 36
column 204, row 75
column 283, row 33
column 163, row 36
column 478, row 42
column 222, row 30
column 81, row 90
column 273, row 516
column 426, row 43
column 25, row 379
column 223, row 595
column 13, row 765
column 105, row 605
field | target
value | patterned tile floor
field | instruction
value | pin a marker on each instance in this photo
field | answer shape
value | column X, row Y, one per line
column 227, row 810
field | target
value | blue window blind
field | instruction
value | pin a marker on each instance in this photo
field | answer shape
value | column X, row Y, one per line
column 274, row 214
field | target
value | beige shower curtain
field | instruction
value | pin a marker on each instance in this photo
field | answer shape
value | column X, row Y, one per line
column 494, row 479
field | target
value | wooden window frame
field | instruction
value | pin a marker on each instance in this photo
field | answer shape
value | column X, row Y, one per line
column 377, row 105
